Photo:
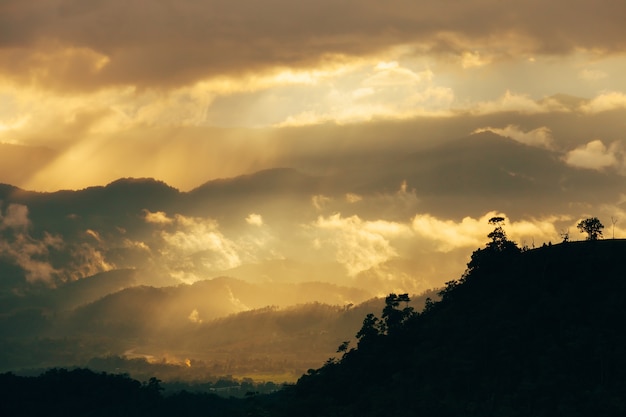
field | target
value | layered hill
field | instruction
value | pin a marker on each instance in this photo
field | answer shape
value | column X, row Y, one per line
column 522, row 333
column 224, row 325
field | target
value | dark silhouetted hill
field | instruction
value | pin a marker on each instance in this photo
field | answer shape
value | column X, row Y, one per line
column 81, row 392
column 536, row 333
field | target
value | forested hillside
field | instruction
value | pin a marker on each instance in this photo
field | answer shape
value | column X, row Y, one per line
column 534, row 333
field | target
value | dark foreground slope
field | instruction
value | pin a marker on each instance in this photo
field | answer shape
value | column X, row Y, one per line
column 536, row 333
column 81, row 392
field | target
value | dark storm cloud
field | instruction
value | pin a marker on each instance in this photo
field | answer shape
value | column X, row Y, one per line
column 86, row 45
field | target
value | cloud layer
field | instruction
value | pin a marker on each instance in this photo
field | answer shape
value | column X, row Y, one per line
column 67, row 44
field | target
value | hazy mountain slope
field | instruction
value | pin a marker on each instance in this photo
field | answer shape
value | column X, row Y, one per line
column 268, row 343
column 71, row 295
column 178, row 323
column 92, row 288
column 277, row 180
column 168, row 307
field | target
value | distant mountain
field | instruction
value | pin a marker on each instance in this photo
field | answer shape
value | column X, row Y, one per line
column 138, row 309
column 280, row 193
column 72, row 294
column 108, row 314
column 274, row 343
column 92, row 288
column 122, row 202
column 281, row 180
column 470, row 170
column 489, row 167
column 478, row 172
column 533, row 333
column 140, row 331
column 57, row 211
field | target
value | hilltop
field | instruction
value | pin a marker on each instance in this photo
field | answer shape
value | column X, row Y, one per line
column 535, row 333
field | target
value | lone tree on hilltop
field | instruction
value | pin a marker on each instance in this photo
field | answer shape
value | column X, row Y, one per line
column 592, row 226
column 499, row 241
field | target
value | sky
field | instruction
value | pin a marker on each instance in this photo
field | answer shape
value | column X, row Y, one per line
column 331, row 151
column 189, row 91
column 142, row 88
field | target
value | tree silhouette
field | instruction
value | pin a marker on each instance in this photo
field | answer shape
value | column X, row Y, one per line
column 497, row 250
column 393, row 316
column 497, row 220
column 592, row 226
column 369, row 330
column 498, row 237
column 343, row 347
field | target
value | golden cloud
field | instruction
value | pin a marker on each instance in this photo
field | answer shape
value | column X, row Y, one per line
column 32, row 256
column 254, row 219
column 605, row 101
column 594, row 155
column 158, row 217
column 15, row 217
column 359, row 245
column 541, row 136
column 470, row 232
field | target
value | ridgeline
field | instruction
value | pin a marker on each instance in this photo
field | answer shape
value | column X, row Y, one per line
column 523, row 333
